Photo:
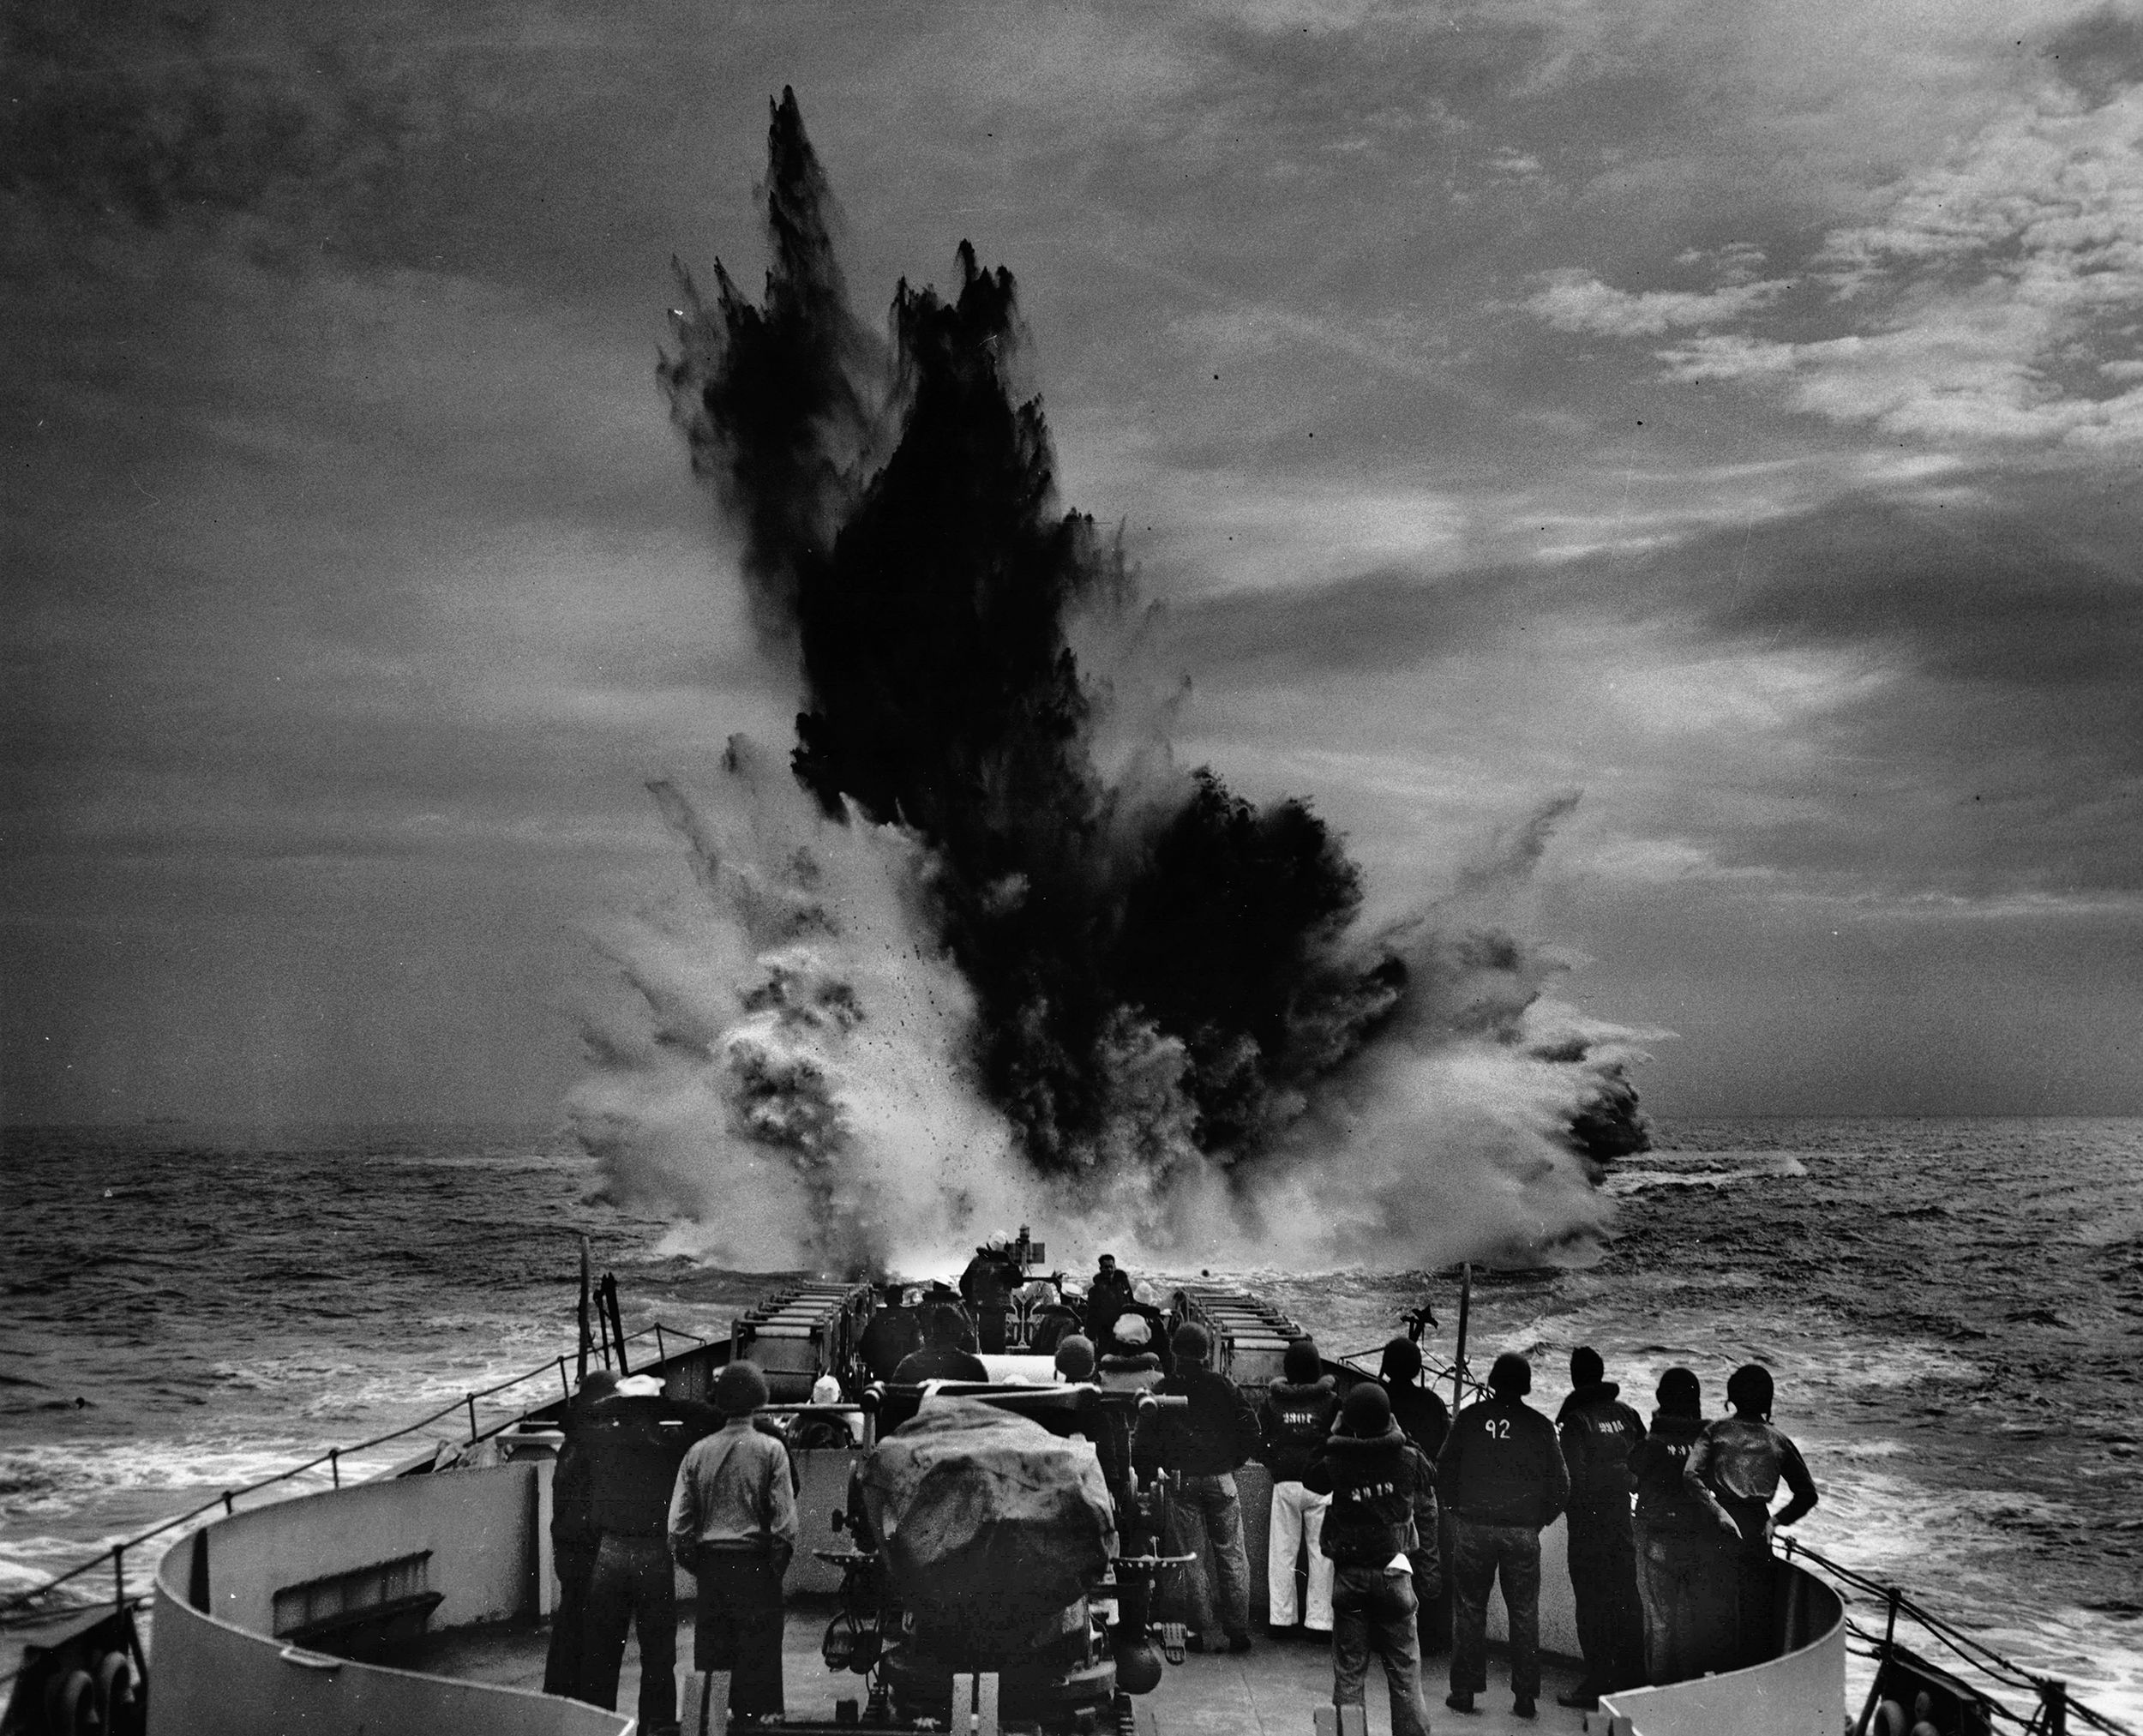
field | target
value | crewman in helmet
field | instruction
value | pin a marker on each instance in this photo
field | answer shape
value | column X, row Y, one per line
column 1599, row 1433
column 733, row 1524
column 1735, row 1470
column 1205, row 1444
column 1379, row 1534
column 1423, row 1419
column 574, row 1537
column 1502, row 1473
column 1301, row 1407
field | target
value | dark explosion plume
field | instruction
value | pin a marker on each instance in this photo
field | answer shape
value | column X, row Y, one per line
column 1149, row 963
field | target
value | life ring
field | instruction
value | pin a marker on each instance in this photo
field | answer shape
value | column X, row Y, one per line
column 1889, row 1720
column 116, row 1697
column 70, row 1705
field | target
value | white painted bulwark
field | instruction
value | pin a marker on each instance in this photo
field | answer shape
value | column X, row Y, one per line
column 219, row 1669
column 1800, row 1693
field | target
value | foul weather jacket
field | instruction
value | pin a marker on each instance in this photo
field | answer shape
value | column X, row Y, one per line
column 634, row 1448
column 1599, row 1433
column 1666, row 1508
column 1502, row 1465
column 1294, row 1421
column 1216, row 1434
column 1383, row 1500
column 1422, row 1414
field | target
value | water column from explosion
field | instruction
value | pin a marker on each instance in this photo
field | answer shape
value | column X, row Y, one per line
column 1167, row 984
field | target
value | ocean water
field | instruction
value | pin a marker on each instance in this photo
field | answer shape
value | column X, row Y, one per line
column 1953, row 1311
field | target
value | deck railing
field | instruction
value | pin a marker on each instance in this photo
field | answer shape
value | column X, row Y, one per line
column 2053, row 1712
column 23, row 1608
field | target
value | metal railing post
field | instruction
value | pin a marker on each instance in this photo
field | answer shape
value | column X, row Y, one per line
column 119, row 1575
column 471, row 1400
column 335, row 1465
column 2054, row 1695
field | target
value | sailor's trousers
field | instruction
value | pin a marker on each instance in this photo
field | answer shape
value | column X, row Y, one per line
column 1206, row 1509
column 1687, row 1580
column 1484, row 1553
column 575, row 1566
column 1374, row 1609
column 1298, row 1519
column 740, row 1626
column 633, row 1585
column 1604, row 1584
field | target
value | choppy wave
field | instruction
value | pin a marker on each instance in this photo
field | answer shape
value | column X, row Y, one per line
column 1693, row 1169
column 1955, row 1312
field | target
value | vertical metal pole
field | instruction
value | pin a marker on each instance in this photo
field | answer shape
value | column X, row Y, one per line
column 1458, row 1360
column 2055, row 1693
column 1891, row 1598
column 661, row 1354
column 566, row 1385
column 583, row 1308
column 335, row 1465
column 470, row 1399
column 119, row 1573
column 227, row 1508
column 617, row 1320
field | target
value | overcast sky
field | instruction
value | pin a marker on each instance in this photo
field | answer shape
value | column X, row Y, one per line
column 1731, row 411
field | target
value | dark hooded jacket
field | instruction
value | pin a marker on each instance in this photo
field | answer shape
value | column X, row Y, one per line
column 1665, row 1505
column 1383, row 1499
column 1598, row 1432
column 1294, row 1421
column 1414, row 1405
column 572, row 1486
column 1425, row 1417
column 1215, row 1434
column 1503, row 1465
column 633, row 1447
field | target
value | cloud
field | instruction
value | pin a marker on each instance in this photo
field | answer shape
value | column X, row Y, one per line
column 1994, row 297
column 1572, row 300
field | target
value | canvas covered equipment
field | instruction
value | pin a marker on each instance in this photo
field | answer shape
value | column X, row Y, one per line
column 986, row 1521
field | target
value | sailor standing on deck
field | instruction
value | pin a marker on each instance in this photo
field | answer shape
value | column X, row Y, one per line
column 1380, row 1533
column 636, row 1440
column 733, row 1523
column 1684, row 1568
column 1421, row 1413
column 1599, row 1433
column 1107, row 1296
column 575, row 1538
column 1735, row 1470
column 1501, row 1473
column 1205, row 1444
column 1299, row 1409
